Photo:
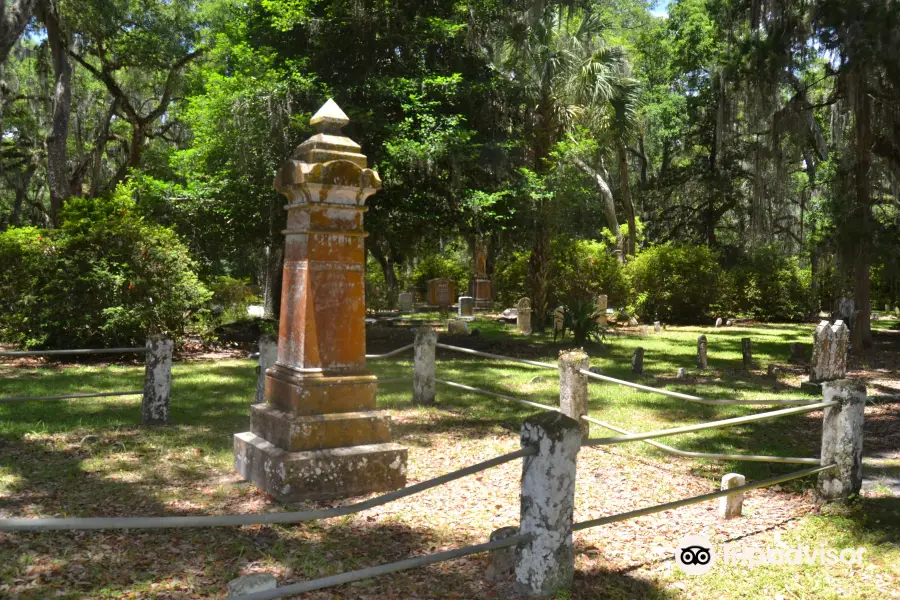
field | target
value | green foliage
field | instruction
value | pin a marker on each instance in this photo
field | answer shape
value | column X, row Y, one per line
column 768, row 286
column 675, row 284
column 455, row 266
column 376, row 288
column 105, row 278
column 584, row 269
column 511, row 277
column 580, row 317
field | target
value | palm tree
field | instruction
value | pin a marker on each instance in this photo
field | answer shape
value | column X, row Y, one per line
column 567, row 77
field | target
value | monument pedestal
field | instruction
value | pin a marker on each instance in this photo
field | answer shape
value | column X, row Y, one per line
column 483, row 292
column 319, row 435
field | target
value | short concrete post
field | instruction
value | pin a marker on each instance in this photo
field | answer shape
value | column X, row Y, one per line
column 573, row 388
column 502, row 562
column 157, row 381
column 637, row 361
column 268, row 354
column 701, row 352
column 546, row 563
column 747, row 352
column 842, row 440
column 682, row 374
column 423, row 366
column 731, row 506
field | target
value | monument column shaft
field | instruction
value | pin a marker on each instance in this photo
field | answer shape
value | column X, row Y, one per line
column 323, row 296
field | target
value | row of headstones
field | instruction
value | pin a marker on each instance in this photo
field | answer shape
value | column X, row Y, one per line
column 637, row 359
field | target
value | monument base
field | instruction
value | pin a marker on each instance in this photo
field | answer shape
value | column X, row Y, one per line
column 319, row 474
column 483, row 292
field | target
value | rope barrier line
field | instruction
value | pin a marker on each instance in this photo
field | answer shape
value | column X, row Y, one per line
column 495, row 394
column 403, row 565
column 391, row 353
column 67, row 396
column 712, row 456
column 524, row 361
column 697, row 499
column 138, row 350
column 699, row 400
column 636, row 437
column 90, row 523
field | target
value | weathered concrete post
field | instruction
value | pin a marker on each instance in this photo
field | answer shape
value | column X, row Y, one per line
column 573, row 388
column 157, row 381
column 637, row 361
column 423, row 366
column 701, row 352
column 747, row 352
column 831, row 344
column 842, row 440
column 268, row 354
column 732, row 506
column 319, row 434
column 546, row 563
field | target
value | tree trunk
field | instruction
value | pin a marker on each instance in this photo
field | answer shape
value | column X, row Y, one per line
column 13, row 19
column 862, row 108
column 57, row 164
column 390, row 276
column 273, row 274
column 538, row 273
column 600, row 177
column 625, row 190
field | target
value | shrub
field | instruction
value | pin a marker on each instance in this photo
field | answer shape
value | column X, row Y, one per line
column 452, row 265
column 768, row 286
column 583, row 269
column 376, row 286
column 104, row 278
column 676, row 284
column 580, row 317
column 511, row 277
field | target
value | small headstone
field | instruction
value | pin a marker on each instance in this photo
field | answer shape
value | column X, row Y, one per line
column 887, row 307
column 701, row 352
column 637, row 361
column 466, row 306
column 729, row 322
column 254, row 310
column 747, row 352
column 523, row 316
column 536, row 379
column 799, row 353
column 405, row 302
column 559, row 319
column 773, row 371
column 897, row 310
column 595, row 370
column 601, row 309
column 475, row 333
column 875, row 316
column 633, row 322
column 719, row 322
column 731, row 506
column 457, row 326
column 657, row 326
column 845, row 309
column 250, row 584
column 682, row 374
column 502, row 562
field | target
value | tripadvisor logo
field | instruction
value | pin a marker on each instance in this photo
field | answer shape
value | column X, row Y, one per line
column 695, row 555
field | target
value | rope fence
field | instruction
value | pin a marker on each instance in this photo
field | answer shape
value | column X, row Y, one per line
column 709, row 455
column 389, row 354
column 84, row 524
column 636, row 437
column 697, row 499
column 468, row 388
column 403, row 565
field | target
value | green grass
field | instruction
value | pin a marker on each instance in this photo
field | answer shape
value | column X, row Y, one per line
column 210, row 402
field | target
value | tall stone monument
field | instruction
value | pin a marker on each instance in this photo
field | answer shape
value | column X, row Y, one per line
column 480, row 286
column 319, row 435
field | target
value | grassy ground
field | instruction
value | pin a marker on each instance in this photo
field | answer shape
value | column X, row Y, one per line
column 88, row 458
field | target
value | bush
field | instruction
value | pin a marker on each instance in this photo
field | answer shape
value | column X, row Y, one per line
column 455, row 266
column 675, row 284
column 511, row 277
column 767, row 286
column 583, row 269
column 104, row 278
column 580, row 317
